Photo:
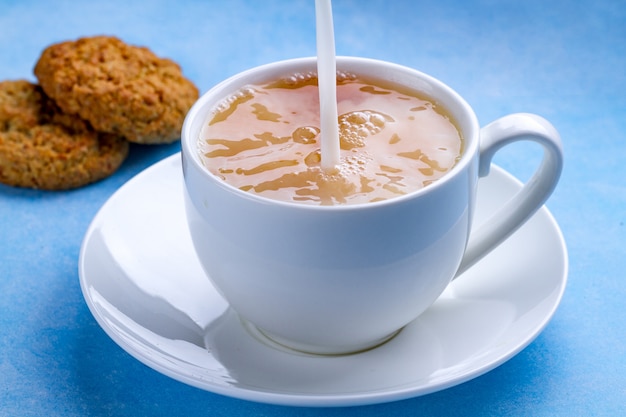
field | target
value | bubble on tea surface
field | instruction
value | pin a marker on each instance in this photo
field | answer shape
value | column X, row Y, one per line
column 355, row 164
column 295, row 80
column 343, row 76
column 313, row 159
column 356, row 126
column 306, row 134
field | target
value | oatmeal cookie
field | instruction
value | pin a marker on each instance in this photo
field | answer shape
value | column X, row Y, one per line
column 42, row 147
column 117, row 88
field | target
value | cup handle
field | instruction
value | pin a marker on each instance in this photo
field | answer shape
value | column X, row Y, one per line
column 515, row 212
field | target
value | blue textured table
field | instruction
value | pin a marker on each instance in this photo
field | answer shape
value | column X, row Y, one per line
column 565, row 60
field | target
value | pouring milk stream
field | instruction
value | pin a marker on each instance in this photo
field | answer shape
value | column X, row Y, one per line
column 327, row 76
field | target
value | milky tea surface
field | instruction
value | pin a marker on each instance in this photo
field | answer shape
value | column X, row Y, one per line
column 265, row 139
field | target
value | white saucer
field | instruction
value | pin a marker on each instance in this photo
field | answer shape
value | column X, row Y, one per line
column 145, row 287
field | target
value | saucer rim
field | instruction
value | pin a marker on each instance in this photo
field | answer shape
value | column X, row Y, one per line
column 387, row 394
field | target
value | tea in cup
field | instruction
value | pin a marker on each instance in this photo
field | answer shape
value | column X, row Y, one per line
column 338, row 261
column 266, row 139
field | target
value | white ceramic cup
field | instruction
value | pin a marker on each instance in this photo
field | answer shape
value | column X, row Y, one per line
column 344, row 278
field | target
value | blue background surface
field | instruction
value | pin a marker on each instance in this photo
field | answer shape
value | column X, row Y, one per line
column 565, row 60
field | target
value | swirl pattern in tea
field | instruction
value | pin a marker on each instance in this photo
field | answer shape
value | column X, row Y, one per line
column 265, row 139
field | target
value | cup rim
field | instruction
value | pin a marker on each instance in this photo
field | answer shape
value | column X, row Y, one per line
column 464, row 117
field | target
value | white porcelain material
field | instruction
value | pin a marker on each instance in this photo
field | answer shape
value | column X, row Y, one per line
column 151, row 296
column 336, row 279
